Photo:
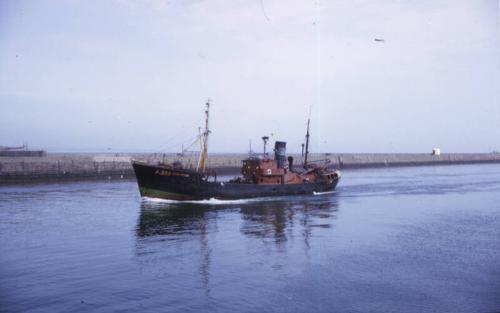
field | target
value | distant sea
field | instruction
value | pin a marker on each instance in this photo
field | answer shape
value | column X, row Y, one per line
column 423, row 239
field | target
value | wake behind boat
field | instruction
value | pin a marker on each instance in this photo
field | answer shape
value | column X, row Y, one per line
column 261, row 176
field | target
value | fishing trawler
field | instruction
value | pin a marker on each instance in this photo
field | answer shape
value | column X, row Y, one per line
column 261, row 176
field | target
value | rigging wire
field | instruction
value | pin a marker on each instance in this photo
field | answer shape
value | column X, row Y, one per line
column 179, row 133
column 182, row 130
column 192, row 140
column 317, row 24
column 263, row 10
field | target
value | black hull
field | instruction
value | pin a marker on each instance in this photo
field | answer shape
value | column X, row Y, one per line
column 159, row 182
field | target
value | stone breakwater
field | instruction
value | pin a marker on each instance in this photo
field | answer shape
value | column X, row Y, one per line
column 118, row 166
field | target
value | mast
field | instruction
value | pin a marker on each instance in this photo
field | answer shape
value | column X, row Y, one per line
column 307, row 143
column 204, row 142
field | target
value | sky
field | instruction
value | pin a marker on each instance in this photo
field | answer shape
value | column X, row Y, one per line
column 124, row 75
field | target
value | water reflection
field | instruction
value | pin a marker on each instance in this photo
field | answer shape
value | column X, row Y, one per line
column 279, row 219
column 276, row 219
column 168, row 234
column 158, row 219
column 179, row 223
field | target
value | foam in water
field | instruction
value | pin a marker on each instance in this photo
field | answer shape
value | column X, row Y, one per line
column 212, row 201
column 319, row 193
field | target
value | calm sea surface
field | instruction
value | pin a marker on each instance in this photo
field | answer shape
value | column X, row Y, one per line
column 389, row 240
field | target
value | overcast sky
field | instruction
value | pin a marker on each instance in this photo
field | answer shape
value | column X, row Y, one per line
column 130, row 75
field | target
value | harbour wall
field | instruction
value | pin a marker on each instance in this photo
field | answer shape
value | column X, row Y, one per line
column 22, row 153
column 117, row 166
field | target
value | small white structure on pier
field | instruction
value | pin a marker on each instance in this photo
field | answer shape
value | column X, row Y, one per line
column 436, row 151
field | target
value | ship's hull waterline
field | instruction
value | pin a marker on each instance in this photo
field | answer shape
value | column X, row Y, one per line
column 160, row 182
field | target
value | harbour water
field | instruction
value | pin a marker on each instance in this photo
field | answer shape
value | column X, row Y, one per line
column 423, row 239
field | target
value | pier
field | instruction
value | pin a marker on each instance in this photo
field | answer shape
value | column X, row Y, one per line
column 70, row 166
